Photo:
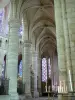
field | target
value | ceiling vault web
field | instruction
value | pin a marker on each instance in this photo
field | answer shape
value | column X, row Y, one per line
column 40, row 20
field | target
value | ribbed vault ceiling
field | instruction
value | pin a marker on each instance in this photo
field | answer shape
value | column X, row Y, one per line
column 41, row 22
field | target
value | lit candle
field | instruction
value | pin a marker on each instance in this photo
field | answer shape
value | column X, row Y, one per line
column 46, row 86
column 49, row 89
column 58, row 89
column 62, row 89
column 60, row 86
column 66, row 88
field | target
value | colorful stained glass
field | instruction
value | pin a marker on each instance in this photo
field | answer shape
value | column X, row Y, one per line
column 20, row 69
column 4, row 28
column 44, row 70
column 49, row 67
column 20, row 31
column 1, row 20
column 3, row 69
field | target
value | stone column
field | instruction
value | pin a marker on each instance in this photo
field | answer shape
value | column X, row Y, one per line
column 67, row 46
column 2, row 52
column 39, row 76
column 35, row 67
column 52, row 72
column 1, row 61
column 55, row 71
column 60, row 44
column 47, row 69
column 26, row 67
column 26, row 57
column 70, row 11
column 13, row 57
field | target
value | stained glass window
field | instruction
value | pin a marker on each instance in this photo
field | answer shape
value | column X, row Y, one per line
column 44, row 70
column 49, row 67
column 1, row 20
column 20, row 69
column 4, row 27
column 3, row 70
column 3, row 67
column 20, row 31
column 45, row 64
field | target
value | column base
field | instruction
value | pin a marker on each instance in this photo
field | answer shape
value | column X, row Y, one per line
column 4, row 97
column 36, row 94
column 40, row 93
column 22, row 97
column 28, row 95
column 14, row 96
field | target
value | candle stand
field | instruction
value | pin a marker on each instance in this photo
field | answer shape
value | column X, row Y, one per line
column 48, row 91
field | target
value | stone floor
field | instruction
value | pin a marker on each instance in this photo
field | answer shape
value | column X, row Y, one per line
column 43, row 98
column 40, row 98
column 23, row 98
column 3, row 97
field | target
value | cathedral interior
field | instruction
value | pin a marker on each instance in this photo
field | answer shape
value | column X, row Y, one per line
column 37, row 49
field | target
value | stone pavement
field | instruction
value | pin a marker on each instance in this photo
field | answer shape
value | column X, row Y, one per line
column 3, row 97
column 40, row 98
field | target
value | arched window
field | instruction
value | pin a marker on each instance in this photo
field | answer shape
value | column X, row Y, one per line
column 4, row 67
column 20, row 69
column 0, row 42
column 1, row 20
column 20, row 65
column 20, row 31
column 44, row 70
column 49, row 68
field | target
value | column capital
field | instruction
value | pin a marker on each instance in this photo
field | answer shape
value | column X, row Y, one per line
column 14, row 11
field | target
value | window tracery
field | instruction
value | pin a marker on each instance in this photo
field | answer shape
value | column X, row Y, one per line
column 46, row 69
column 49, row 67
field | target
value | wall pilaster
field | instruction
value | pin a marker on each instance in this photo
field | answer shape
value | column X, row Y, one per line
column 60, row 43
column 70, row 10
column 39, row 75
column 67, row 46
